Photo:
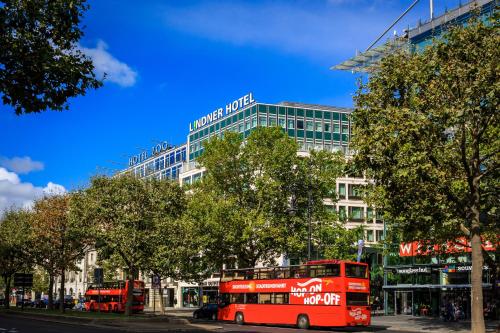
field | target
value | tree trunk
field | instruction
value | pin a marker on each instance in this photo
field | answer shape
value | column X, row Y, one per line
column 61, row 292
column 162, row 306
column 7, row 280
column 50, row 301
column 477, row 273
column 130, row 292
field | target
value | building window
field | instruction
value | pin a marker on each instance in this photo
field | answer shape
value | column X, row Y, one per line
column 342, row 191
column 240, row 127
column 291, row 124
column 379, row 216
column 369, row 214
column 263, row 121
column 300, row 124
column 247, row 125
column 319, row 128
column 356, row 214
column 282, row 122
column 354, row 191
column 254, row 122
column 327, row 127
column 342, row 213
column 336, row 128
column 380, row 235
column 369, row 235
column 345, row 129
column 272, row 121
column 309, row 126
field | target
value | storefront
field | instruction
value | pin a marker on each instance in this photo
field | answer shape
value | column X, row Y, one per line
column 425, row 285
column 190, row 297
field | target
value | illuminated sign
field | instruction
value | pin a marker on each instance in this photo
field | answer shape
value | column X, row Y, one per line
column 234, row 106
column 142, row 156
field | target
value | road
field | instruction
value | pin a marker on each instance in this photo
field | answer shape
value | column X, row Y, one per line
column 12, row 324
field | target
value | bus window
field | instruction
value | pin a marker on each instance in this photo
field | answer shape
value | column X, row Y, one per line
column 236, row 298
column 353, row 270
column 239, row 275
column 249, row 274
column 332, row 270
column 251, row 298
column 265, row 298
column 357, row 299
column 298, row 272
column 264, row 274
column 316, row 271
column 280, row 298
column 227, row 276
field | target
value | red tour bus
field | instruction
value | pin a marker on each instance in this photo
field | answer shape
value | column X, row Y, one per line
column 319, row 293
column 112, row 296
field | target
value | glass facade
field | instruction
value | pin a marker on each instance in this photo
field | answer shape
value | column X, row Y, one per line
column 167, row 165
column 313, row 128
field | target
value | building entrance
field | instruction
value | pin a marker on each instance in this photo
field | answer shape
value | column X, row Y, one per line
column 403, row 302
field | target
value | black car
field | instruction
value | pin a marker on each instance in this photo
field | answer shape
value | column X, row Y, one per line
column 206, row 311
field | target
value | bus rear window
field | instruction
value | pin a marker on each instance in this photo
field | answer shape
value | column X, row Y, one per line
column 357, row 299
column 353, row 270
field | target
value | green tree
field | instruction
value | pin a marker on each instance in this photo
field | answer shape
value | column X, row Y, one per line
column 426, row 129
column 14, row 246
column 60, row 239
column 171, row 247
column 120, row 213
column 258, row 195
column 41, row 66
column 40, row 281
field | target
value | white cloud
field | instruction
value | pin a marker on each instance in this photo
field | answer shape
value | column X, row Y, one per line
column 21, row 165
column 105, row 64
column 15, row 193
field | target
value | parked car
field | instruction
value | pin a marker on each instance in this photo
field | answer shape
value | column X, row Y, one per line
column 40, row 303
column 206, row 311
column 27, row 303
column 68, row 302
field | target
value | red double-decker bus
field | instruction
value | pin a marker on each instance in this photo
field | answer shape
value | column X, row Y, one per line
column 112, row 296
column 319, row 293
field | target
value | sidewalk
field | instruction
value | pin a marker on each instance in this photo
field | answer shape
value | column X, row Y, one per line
column 421, row 324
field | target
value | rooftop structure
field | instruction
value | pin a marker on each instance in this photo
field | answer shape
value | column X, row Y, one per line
column 414, row 38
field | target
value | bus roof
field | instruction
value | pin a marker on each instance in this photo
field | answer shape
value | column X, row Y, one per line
column 309, row 263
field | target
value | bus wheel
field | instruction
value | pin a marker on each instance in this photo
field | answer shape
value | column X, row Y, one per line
column 303, row 322
column 239, row 318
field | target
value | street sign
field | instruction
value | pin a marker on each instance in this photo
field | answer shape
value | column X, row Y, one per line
column 155, row 282
column 23, row 280
column 98, row 276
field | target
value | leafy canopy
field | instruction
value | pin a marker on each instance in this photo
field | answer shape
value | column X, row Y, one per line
column 426, row 129
column 41, row 66
column 256, row 196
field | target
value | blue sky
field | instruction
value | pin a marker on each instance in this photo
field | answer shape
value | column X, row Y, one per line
column 170, row 62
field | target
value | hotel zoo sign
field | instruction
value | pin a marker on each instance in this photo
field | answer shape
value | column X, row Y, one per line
column 142, row 156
